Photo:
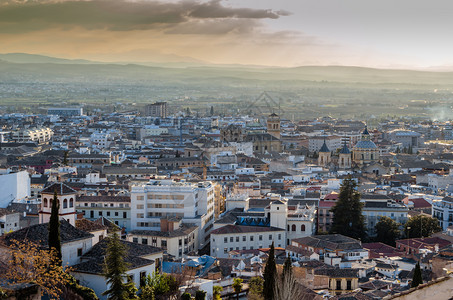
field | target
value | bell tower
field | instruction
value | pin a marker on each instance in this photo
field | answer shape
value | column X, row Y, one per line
column 324, row 155
column 66, row 197
column 273, row 125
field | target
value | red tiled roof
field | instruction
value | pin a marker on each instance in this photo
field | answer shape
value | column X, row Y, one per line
column 418, row 202
column 326, row 203
column 332, row 196
column 243, row 229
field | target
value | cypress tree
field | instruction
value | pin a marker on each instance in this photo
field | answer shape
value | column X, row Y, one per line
column 270, row 271
column 348, row 219
column 115, row 271
column 54, row 227
column 417, row 277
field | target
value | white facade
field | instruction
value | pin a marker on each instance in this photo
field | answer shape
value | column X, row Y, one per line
column 99, row 285
column 14, row 186
column 39, row 135
column 222, row 243
column 443, row 211
column 71, row 252
column 9, row 222
column 194, row 203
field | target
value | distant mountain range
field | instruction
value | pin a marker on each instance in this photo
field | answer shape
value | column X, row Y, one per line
column 22, row 63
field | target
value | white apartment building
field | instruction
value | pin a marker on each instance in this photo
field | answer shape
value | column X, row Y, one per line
column 39, row 135
column 333, row 143
column 239, row 237
column 443, row 211
column 192, row 202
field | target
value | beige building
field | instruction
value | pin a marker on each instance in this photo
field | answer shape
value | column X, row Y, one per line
column 174, row 237
column 273, row 125
column 365, row 151
column 38, row 135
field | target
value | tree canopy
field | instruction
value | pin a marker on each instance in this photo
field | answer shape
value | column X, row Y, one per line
column 387, row 231
column 115, row 271
column 421, row 226
column 348, row 219
column 270, row 273
column 54, row 227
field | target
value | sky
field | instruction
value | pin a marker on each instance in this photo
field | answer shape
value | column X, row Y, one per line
column 289, row 33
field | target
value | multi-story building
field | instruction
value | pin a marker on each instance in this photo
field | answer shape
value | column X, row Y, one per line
column 9, row 221
column 174, row 237
column 443, row 211
column 115, row 208
column 39, row 135
column 374, row 209
column 157, row 109
column 86, row 161
column 315, row 143
column 192, row 202
column 240, row 237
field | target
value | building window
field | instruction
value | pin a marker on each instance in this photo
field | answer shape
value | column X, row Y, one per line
column 293, row 227
column 65, row 203
column 260, row 237
column 237, row 239
column 338, row 285
column 45, row 202
column 270, row 237
column 144, row 241
column 225, row 250
column 225, row 240
column 142, row 278
column 163, row 243
column 135, row 240
column 349, row 285
column 116, row 214
column 79, row 252
column 244, row 238
column 251, row 238
column 71, row 202
column 302, row 227
column 231, row 239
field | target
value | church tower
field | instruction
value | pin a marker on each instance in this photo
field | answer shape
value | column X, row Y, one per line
column 324, row 155
column 344, row 158
column 67, row 199
column 278, row 214
column 273, row 125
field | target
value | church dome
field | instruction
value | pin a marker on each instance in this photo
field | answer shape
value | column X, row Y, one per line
column 365, row 145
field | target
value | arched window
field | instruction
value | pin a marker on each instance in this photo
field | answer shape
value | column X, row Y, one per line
column 302, row 227
column 65, row 203
column 293, row 227
column 288, row 227
column 71, row 202
column 45, row 202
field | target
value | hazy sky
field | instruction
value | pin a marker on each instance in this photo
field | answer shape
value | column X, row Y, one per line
column 385, row 33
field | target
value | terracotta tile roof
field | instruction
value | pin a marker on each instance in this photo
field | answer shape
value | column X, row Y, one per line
column 89, row 226
column 40, row 234
column 61, row 188
column 243, row 229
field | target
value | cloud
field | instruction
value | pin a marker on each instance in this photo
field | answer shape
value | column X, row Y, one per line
column 123, row 15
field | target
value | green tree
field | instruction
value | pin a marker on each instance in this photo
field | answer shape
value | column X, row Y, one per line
column 270, row 271
column 200, row 295
column 348, row 219
column 216, row 292
column 186, row 296
column 237, row 286
column 54, row 227
column 65, row 158
column 115, row 271
column 158, row 286
column 387, row 231
column 256, row 288
column 417, row 277
column 421, row 226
